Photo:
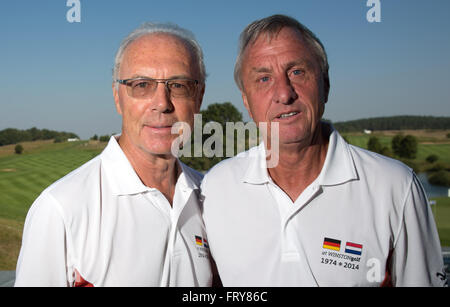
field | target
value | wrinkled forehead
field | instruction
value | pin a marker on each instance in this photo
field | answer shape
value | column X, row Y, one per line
column 159, row 44
column 288, row 44
column 284, row 35
column 269, row 34
column 159, row 53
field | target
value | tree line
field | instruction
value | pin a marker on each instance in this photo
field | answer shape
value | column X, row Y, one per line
column 394, row 123
column 13, row 136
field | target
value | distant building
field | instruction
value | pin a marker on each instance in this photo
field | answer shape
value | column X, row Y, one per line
column 366, row 131
column 73, row 140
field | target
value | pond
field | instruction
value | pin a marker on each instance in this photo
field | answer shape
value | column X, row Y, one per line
column 430, row 189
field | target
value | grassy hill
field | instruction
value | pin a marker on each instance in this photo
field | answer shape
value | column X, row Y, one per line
column 23, row 177
column 429, row 142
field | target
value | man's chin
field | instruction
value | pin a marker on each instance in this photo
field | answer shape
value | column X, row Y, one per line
column 158, row 150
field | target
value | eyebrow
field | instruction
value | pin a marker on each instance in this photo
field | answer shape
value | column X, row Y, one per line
column 261, row 69
column 306, row 63
column 175, row 77
column 289, row 65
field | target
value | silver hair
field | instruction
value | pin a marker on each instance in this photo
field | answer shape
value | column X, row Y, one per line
column 271, row 26
column 156, row 28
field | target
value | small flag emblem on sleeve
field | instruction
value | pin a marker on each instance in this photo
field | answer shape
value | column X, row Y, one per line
column 199, row 240
column 353, row 248
column 205, row 243
column 332, row 244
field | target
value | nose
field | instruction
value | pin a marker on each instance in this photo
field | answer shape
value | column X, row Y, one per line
column 284, row 92
column 160, row 102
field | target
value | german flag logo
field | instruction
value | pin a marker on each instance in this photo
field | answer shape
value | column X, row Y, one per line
column 199, row 240
column 332, row 244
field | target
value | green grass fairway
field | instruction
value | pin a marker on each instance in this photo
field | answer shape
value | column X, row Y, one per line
column 437, row 144
column 23, row 177
column 441, row 150
column 441, row 212
column 361, row 140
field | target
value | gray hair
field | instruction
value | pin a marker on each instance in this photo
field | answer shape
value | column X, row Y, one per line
column 156, row 28
column 271, row 26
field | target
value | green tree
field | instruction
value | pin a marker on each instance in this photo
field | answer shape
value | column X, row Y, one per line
column 409, row 147
column 35, row 133
column 405, row 146
column 18, row 149
column 374, row 144
column 104, row 138
column 396, row 144
column 220, row 113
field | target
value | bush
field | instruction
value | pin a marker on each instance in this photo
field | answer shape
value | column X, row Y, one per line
column 104, row 138
column 438, row 166
column 18, row 149
column 374, row 145
column 59, row 139
column 432, row 158
column 441, row 177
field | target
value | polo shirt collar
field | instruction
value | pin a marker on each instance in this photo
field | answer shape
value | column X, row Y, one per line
column 123, row 177
column 257, row 169
column 186, row 179
column 338, row 167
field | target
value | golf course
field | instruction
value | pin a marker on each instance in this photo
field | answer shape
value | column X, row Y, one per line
column 24, row 176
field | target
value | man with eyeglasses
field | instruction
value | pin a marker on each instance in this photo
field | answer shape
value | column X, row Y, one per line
column 130, row 216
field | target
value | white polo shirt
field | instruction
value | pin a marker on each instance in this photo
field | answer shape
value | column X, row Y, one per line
column 341, row 230
column 101, row 222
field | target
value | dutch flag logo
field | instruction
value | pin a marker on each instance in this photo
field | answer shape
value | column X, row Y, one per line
column 353, row 248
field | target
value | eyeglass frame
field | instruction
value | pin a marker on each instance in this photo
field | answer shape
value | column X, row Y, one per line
column 165, row 81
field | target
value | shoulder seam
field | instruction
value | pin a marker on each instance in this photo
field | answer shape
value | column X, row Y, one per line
column 408, row 190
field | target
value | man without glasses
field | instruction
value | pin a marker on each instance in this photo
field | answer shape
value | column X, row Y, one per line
column 329, row 213
column 130, row 216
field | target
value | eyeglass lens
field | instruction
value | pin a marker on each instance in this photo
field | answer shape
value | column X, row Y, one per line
column 146, row 87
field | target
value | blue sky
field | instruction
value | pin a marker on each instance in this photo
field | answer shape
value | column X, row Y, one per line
column 57, row 75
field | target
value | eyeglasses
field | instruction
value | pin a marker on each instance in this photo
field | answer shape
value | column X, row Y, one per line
column 143, row 88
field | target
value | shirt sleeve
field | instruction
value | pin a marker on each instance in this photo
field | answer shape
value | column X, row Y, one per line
column 417, row 256
column 42, row 258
